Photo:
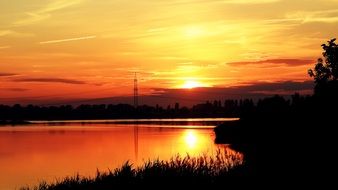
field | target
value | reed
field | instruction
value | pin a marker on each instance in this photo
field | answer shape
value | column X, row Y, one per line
column 187, row 170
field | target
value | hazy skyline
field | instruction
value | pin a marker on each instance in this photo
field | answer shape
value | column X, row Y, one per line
column 90, row 49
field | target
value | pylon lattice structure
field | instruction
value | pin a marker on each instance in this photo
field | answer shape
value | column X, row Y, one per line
column 135, row 92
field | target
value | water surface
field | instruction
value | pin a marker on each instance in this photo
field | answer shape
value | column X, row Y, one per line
column 45, row 151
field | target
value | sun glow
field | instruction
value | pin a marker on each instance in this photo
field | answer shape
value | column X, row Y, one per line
column 193, row 31
column 189, row 84
column 191, row 139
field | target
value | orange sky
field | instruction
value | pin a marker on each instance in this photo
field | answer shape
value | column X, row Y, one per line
column 89, row 49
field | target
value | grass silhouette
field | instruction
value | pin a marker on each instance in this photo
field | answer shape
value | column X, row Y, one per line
column 188, row 170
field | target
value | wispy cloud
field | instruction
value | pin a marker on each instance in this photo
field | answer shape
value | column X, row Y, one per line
column 13, row 33
column 278, row 85
column 325, row 16
column 7, row 74
column 57, row 5
column 289, row 62
column 249, row 1
column 49, row 80
column 5, row 47
column 5, row 32
column 220, row 1
column 45, row 12
column 31, row 18
column 15, row 89
column 67, row 40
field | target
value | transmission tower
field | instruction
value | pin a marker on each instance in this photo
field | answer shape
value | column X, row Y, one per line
column 135, row 92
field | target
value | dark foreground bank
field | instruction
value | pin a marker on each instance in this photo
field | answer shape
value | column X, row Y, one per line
column 177, row 172
column 14, row 122
column 294, row 139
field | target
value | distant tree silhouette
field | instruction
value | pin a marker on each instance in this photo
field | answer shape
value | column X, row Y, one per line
column 325, row 72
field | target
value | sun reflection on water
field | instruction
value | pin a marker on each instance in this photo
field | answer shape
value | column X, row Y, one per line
column 193, row 142
column 191, row 139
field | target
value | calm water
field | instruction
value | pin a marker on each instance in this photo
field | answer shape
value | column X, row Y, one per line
column 29, row 154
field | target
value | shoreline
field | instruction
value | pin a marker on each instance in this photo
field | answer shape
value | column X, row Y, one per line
column 166, row 121
column 14, row 122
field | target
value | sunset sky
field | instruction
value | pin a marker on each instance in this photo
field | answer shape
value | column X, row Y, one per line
column 74, row 49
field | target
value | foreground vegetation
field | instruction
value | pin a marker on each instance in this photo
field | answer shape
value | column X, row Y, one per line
column 187, row 170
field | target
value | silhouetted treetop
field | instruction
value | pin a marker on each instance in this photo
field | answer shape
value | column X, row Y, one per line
column 325, row 73
column 327, row 70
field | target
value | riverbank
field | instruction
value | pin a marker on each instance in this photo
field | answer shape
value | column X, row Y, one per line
column 14, row 122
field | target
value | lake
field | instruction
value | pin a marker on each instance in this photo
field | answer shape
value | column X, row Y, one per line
column 52, row 150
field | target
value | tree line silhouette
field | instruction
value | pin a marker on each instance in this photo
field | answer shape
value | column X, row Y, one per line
column 217, row 108
column 228, row 108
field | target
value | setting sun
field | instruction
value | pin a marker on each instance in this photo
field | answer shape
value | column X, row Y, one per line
column 191, row 84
